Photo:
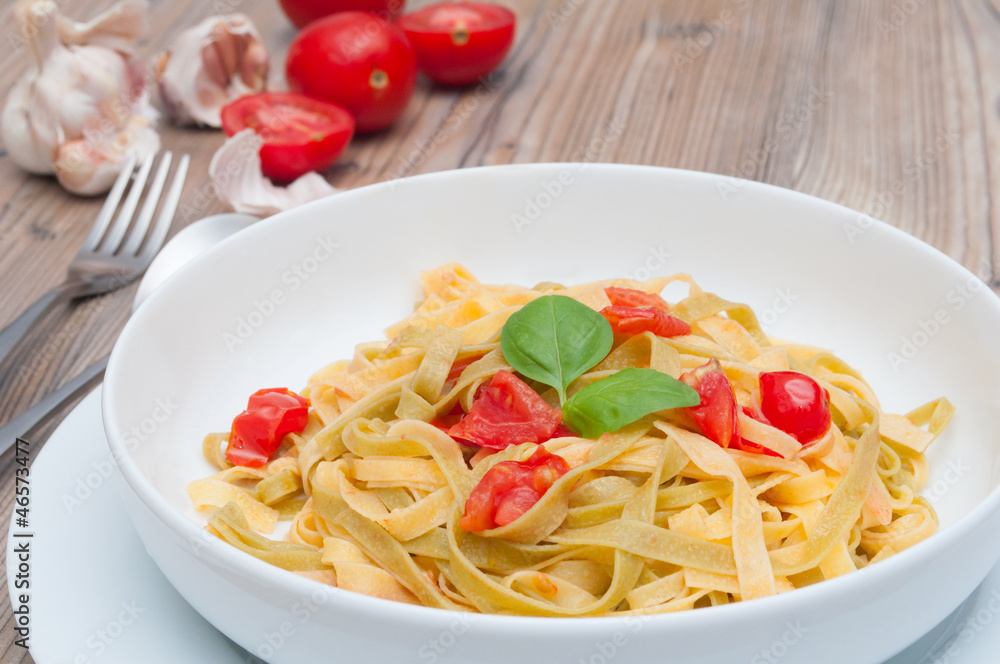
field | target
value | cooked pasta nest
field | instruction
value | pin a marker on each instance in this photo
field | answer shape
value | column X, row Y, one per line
column 652, row 518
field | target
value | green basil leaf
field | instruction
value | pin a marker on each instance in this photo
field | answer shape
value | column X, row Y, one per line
column 622, row 398
column 554, row 339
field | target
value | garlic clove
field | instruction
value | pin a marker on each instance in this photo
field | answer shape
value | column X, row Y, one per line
column 83, row 170
column 236, row 173
column 209, row 65
column 89, row 167
column 253, row 69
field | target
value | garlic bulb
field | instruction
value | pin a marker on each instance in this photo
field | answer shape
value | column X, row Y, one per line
column 238, row 180
column 82, row 107
column 216, row 61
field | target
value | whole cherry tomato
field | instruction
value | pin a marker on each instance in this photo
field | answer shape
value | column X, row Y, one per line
column 303, row 12
column 300, row 134
column 357, row 60
column 795, row 403
column 459, row 42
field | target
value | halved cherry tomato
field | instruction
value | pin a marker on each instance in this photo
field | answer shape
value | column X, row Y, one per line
column 717, row 415
column 636, row 320
column 507, row 412
column 303, row 12
column 257, row 431
column 630, row 297
column 509, row 489
column 458, row 43
column 300, row 134
column 357, row 60
column 795, row 403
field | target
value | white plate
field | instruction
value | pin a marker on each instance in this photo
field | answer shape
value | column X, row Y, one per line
column 96, row 597
column 88, row 562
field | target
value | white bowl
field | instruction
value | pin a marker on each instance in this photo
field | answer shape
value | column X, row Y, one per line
column 272, row 304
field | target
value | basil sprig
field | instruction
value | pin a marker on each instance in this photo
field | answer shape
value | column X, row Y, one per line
column 624, row 397
column 555, row 339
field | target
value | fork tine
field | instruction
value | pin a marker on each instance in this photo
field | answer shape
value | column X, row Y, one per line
column 159, row 232
column 110, row 203
column 128, row 207
column 141, row 224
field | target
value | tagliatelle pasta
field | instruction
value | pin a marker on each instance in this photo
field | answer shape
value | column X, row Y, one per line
column 651, row 518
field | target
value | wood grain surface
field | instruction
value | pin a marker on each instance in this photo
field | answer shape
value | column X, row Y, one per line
column 886, row 107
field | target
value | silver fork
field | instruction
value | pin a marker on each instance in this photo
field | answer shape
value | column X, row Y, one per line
column 103, row 266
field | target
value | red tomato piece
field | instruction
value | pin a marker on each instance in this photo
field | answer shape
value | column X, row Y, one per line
column 717, row 415
column 480, row 508
column 448, row 420
column 300, row 134
column 507, row 412
column 563, row 431
column 459, row 366
column 750, row 446
column 357, row 60
column 458, row 43
column 303, row 12
column 796, row 404
column 511, row 488
column 456, row 370
column 742, row 443
column 513, row 504
column 636, row 320
column 630, row 297
column 257, row 431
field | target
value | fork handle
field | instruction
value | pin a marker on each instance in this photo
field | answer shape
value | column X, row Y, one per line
column 12, row 334
column 25, row 423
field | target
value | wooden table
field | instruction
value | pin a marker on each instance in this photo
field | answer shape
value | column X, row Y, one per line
column 886, row 107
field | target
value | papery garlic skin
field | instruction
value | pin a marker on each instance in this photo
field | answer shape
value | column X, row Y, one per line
column 29, row 145
column 209, row 65
column 82, row 107
column 118, row 28
column 239, row 181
